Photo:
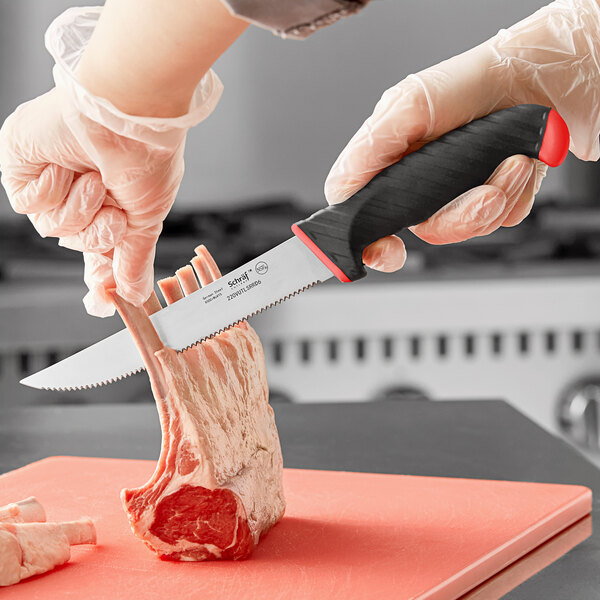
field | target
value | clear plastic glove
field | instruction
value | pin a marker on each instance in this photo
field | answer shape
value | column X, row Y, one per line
column 550, row 58
column 100, row 180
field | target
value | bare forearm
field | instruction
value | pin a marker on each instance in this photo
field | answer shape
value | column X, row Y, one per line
column 147, row 56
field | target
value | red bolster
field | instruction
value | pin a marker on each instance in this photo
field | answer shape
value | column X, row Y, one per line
column 555, row 144
column 319, row 254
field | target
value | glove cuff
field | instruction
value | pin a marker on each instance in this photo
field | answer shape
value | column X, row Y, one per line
column 66, row 40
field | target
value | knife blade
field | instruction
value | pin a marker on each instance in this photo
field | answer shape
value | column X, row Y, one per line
column 249, row 289
column 331, row 241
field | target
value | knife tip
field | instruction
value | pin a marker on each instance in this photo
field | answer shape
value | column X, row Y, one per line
column 28, row 381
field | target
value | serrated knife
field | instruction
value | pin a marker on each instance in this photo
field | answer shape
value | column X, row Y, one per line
column 331, row 241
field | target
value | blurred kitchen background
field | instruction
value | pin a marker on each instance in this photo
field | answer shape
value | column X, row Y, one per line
column 514, row 316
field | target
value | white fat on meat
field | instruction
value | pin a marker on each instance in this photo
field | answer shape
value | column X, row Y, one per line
column 217, row 486
column 28, row 547
column 23, row 511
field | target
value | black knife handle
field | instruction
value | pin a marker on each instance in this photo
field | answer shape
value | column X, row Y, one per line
column 417, row 186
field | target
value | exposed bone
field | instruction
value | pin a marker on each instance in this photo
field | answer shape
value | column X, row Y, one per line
column 202, row 270
column 78, row 532
column 214, row 270
column 170, row 289
column 153, row 304
column 146, row 339
column 187, row 280
column 23, row 511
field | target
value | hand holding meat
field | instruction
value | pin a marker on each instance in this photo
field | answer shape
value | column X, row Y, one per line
column 99, row 179
column 29, row 546
column 550, row 58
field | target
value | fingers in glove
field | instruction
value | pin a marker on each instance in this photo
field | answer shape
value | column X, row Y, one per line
column 512, row 177
column 76, row 212
column 400, row 118
column 98, row 276
column 133, row 265
column 481, row 210
column 525, row 202
column 469, row 215
column 387, row 254
column 104, row 233
column 41, row 193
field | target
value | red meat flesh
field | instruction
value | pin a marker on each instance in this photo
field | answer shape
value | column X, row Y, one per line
column 217, row 486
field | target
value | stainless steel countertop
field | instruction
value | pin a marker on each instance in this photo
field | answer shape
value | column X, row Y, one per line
column 487, row 440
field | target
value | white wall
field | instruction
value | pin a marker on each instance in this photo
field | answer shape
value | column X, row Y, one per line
column 288, row 106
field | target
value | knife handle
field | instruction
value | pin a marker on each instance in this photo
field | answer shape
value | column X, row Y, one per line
column 417, row 186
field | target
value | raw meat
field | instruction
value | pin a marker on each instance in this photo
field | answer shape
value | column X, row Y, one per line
column 217, row 486
column 23, row 511
column 29, row 548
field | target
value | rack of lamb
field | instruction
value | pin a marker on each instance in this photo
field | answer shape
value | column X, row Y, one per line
column 217, row 486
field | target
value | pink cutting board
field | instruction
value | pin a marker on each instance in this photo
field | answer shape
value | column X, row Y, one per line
column 345, row 536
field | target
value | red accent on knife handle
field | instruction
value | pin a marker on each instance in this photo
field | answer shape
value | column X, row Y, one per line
column 320, row 254
column 417, row 186
column 555, row 143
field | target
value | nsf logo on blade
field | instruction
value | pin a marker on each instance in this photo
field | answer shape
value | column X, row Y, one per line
column 261, row 267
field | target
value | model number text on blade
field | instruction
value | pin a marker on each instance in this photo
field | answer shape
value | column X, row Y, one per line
column 243, row 290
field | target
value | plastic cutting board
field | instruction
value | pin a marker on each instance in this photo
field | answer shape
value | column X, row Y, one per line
column 345, row 536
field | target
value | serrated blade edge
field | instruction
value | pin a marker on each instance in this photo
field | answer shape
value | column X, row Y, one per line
column 275, row 276
column 110, row 359
column 256, row 312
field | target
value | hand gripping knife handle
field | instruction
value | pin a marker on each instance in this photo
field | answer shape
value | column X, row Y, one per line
column 411, row 190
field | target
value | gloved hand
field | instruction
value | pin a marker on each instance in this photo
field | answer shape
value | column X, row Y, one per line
column 99, row 179
column 550, row 58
